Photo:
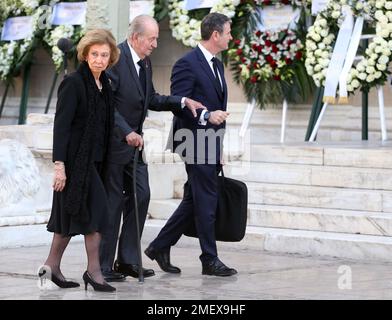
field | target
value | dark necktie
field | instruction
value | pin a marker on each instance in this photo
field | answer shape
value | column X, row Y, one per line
column 216, row 73
column 142, row 74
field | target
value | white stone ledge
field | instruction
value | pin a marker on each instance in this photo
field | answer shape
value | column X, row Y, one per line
column 325, row 220
column 317, row 197
column 24, row 220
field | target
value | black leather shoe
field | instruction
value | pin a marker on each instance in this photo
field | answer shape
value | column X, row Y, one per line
column 218, row 268
column 163, row 259
column 112, row 276
column 132, row 270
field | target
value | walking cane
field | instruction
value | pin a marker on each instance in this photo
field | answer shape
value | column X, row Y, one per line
column 139, row 249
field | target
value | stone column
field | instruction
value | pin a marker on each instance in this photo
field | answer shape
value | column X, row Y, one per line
column 112, row 15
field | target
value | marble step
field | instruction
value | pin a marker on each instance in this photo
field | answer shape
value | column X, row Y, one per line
column 299, row 218
column 315, row 243
column 350, row 110
column 311, row 175
column 312, row 196
column 266, row 134
column 325, row 220
column 299, row 120
column 10, row 113
column 361, row 154
column 320, row 197
column 309, row 243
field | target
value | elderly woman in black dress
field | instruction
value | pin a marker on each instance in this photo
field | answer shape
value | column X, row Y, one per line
column 82, row 127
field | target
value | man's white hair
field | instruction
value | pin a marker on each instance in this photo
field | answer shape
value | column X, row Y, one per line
column 138, row 24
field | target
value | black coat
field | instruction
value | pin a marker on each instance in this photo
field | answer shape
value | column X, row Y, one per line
column 131, row 103
column 70, row 119
column 75, row 125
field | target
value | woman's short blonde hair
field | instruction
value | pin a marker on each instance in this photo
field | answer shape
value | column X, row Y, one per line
column 98, row 36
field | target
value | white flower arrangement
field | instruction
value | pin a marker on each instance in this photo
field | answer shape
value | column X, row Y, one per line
column 13, row 53
column 13, row 8
column 54, row 33
column 187, row 29
column 372, row 69
column 52, row 36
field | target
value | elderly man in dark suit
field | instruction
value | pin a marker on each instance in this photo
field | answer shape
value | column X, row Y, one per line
column 134, row 93
column 199, row 75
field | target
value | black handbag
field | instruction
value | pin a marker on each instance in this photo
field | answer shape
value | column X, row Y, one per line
column 232, row 211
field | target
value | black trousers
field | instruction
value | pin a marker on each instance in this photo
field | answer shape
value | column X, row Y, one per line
column 199, row 204
column 119, row 187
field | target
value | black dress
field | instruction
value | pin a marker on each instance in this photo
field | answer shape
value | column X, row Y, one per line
column 97, row 206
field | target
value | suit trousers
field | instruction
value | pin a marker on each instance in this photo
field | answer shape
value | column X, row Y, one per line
column 119, row 187
column 199, row 203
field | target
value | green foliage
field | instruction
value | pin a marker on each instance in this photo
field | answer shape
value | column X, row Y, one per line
column 161, row 9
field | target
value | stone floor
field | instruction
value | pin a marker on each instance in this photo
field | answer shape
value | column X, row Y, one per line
column 262, row 275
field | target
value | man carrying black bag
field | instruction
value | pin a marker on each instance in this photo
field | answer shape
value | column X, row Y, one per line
column 199, row 75
column 231, row 213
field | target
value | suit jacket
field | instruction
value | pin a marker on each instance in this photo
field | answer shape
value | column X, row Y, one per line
column 192, row 77
column 131, row 103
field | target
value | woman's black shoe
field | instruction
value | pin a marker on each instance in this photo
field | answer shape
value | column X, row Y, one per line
column 97, row 286
column 57, row 281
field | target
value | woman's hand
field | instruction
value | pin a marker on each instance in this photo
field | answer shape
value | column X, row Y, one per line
column 59, row 176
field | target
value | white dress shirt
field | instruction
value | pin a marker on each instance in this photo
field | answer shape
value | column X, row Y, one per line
column 135, row 59
column 208, row 55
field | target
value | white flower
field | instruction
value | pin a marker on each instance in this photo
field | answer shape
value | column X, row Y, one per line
column 386, row 52
column 383, row 60
column 325, row 62
column 388, row 5
column 381, row 67
column 362, row 75
column 335, row 14
column 355, row 84
column 325, row 55
column 370, row 70
column 370, row 78
column 324, row 33
column 322, row 23
column 317, row 68
column 359, row 6
column 379, row 4
column 384, row 33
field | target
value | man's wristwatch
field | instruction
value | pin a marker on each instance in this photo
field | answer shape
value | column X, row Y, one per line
column 207, row 115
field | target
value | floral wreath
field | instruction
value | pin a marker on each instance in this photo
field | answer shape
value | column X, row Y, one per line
column 15, row 54
column 372, row 69
column 267, row 55
column 54, row 33
column 270, row 64
column 52, row 36
column 187, row 29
